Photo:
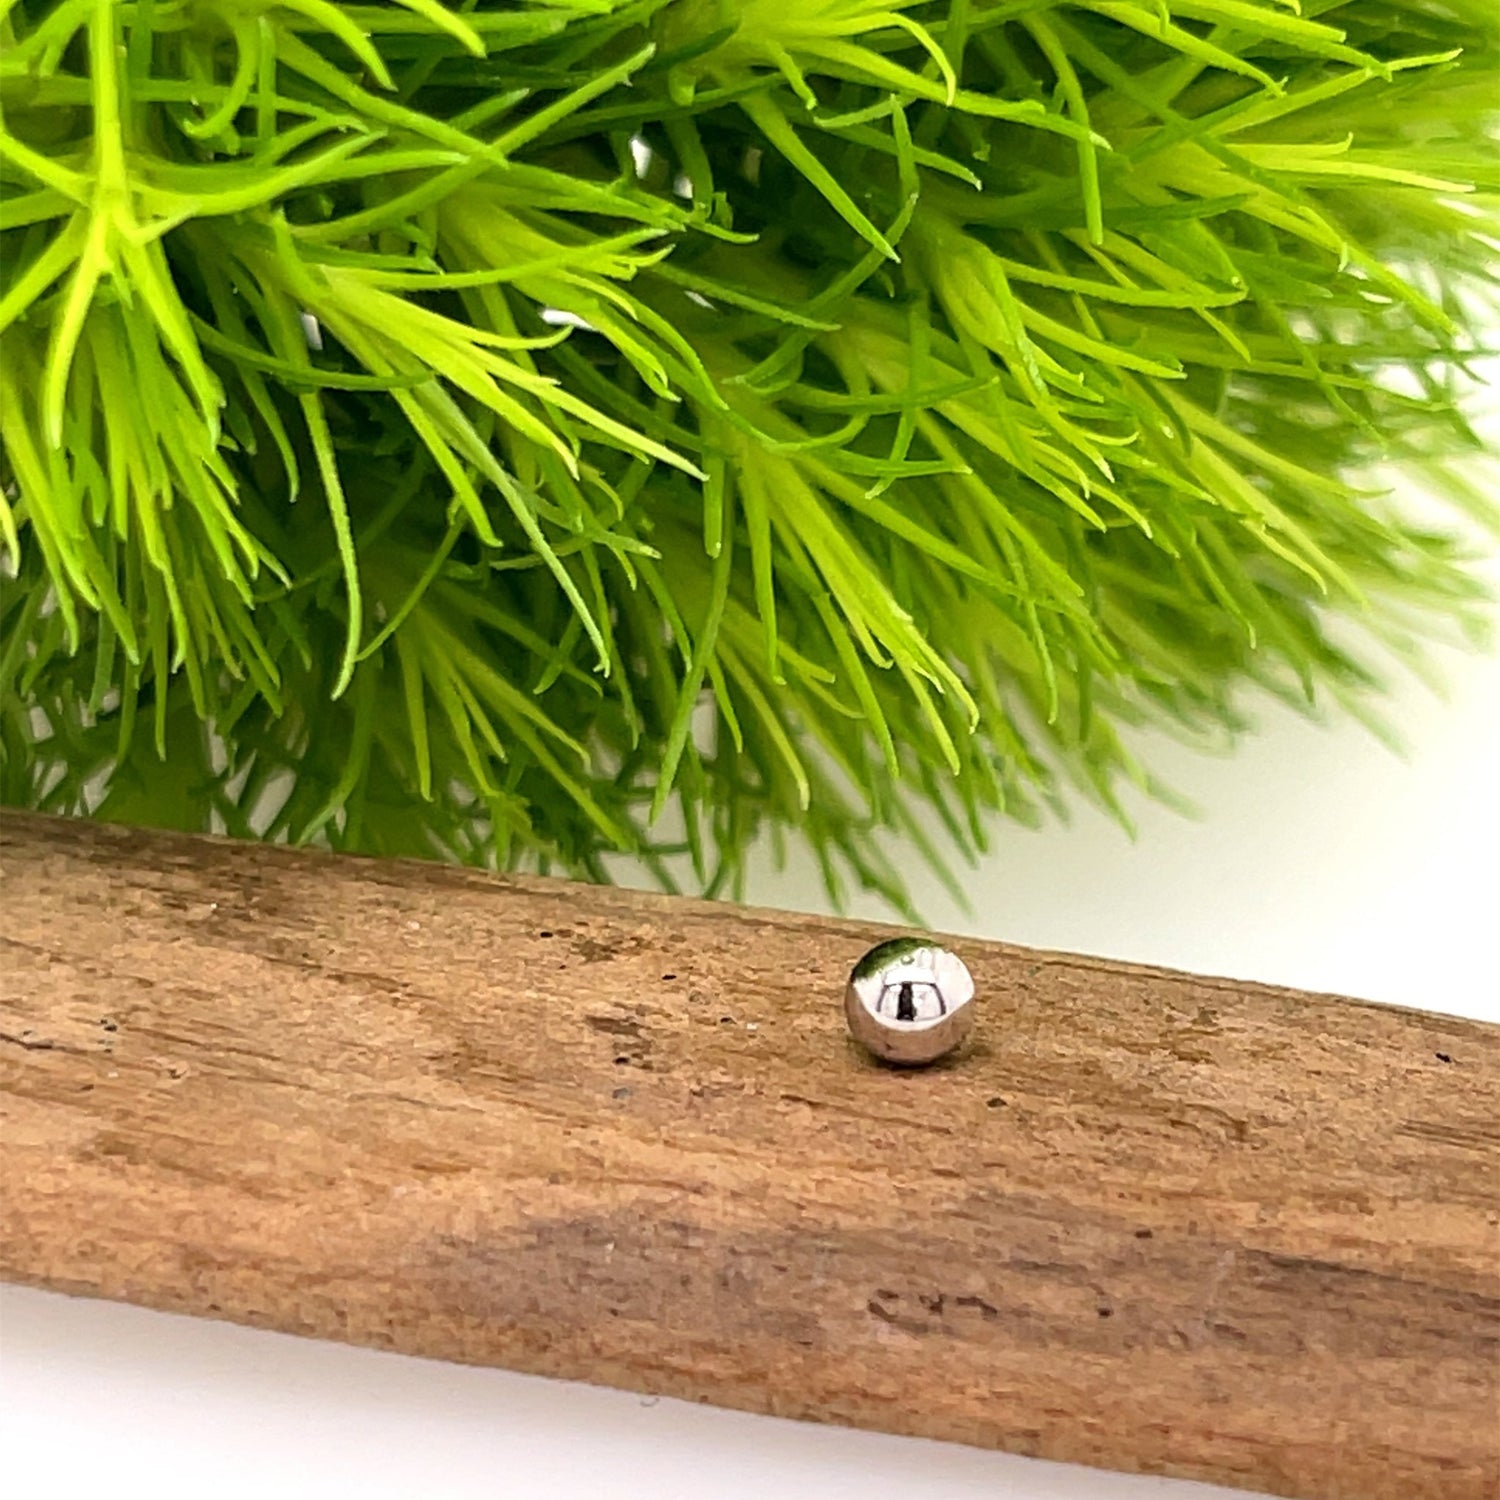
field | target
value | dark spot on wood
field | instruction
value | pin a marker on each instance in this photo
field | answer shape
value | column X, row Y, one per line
column 593, row 950
column 1143, row 1234
column 31, row 1042
column 897, row 1320
column 544, row 933
column 668, row 978
column 1105, row 1312
column 623, row 1060
column 994, row 1102
column 987, row 1310
column 933, row 1304
column 889, row 1296
column 726, row 1020
column 614, row 1025
column 109, row 1023
column 1442, row 1057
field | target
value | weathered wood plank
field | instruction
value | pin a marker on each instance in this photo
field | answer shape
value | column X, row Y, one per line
column 1144, row 1221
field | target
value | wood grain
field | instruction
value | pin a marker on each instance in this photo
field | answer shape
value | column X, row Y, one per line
column 1144, row 1221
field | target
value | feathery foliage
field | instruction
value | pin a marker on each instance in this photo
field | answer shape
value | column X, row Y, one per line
column 509, row 430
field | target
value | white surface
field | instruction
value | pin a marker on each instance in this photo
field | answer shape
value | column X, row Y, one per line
column 1321, row 860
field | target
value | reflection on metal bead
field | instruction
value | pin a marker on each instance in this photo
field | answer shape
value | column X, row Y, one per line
column 909, row 1001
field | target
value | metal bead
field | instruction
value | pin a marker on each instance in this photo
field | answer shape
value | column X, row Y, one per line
column 909, row 1001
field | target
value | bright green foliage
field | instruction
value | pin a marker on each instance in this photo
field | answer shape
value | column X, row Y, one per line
column 488, row 430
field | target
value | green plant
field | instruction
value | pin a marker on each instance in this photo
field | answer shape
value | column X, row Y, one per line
column 508, row 430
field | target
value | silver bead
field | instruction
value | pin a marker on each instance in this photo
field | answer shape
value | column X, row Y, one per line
column 910, row 1001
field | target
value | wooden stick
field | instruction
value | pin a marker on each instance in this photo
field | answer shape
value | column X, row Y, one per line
column 1144, row 1221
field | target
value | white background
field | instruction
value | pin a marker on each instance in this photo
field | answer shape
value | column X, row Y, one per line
column 1320, row 859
